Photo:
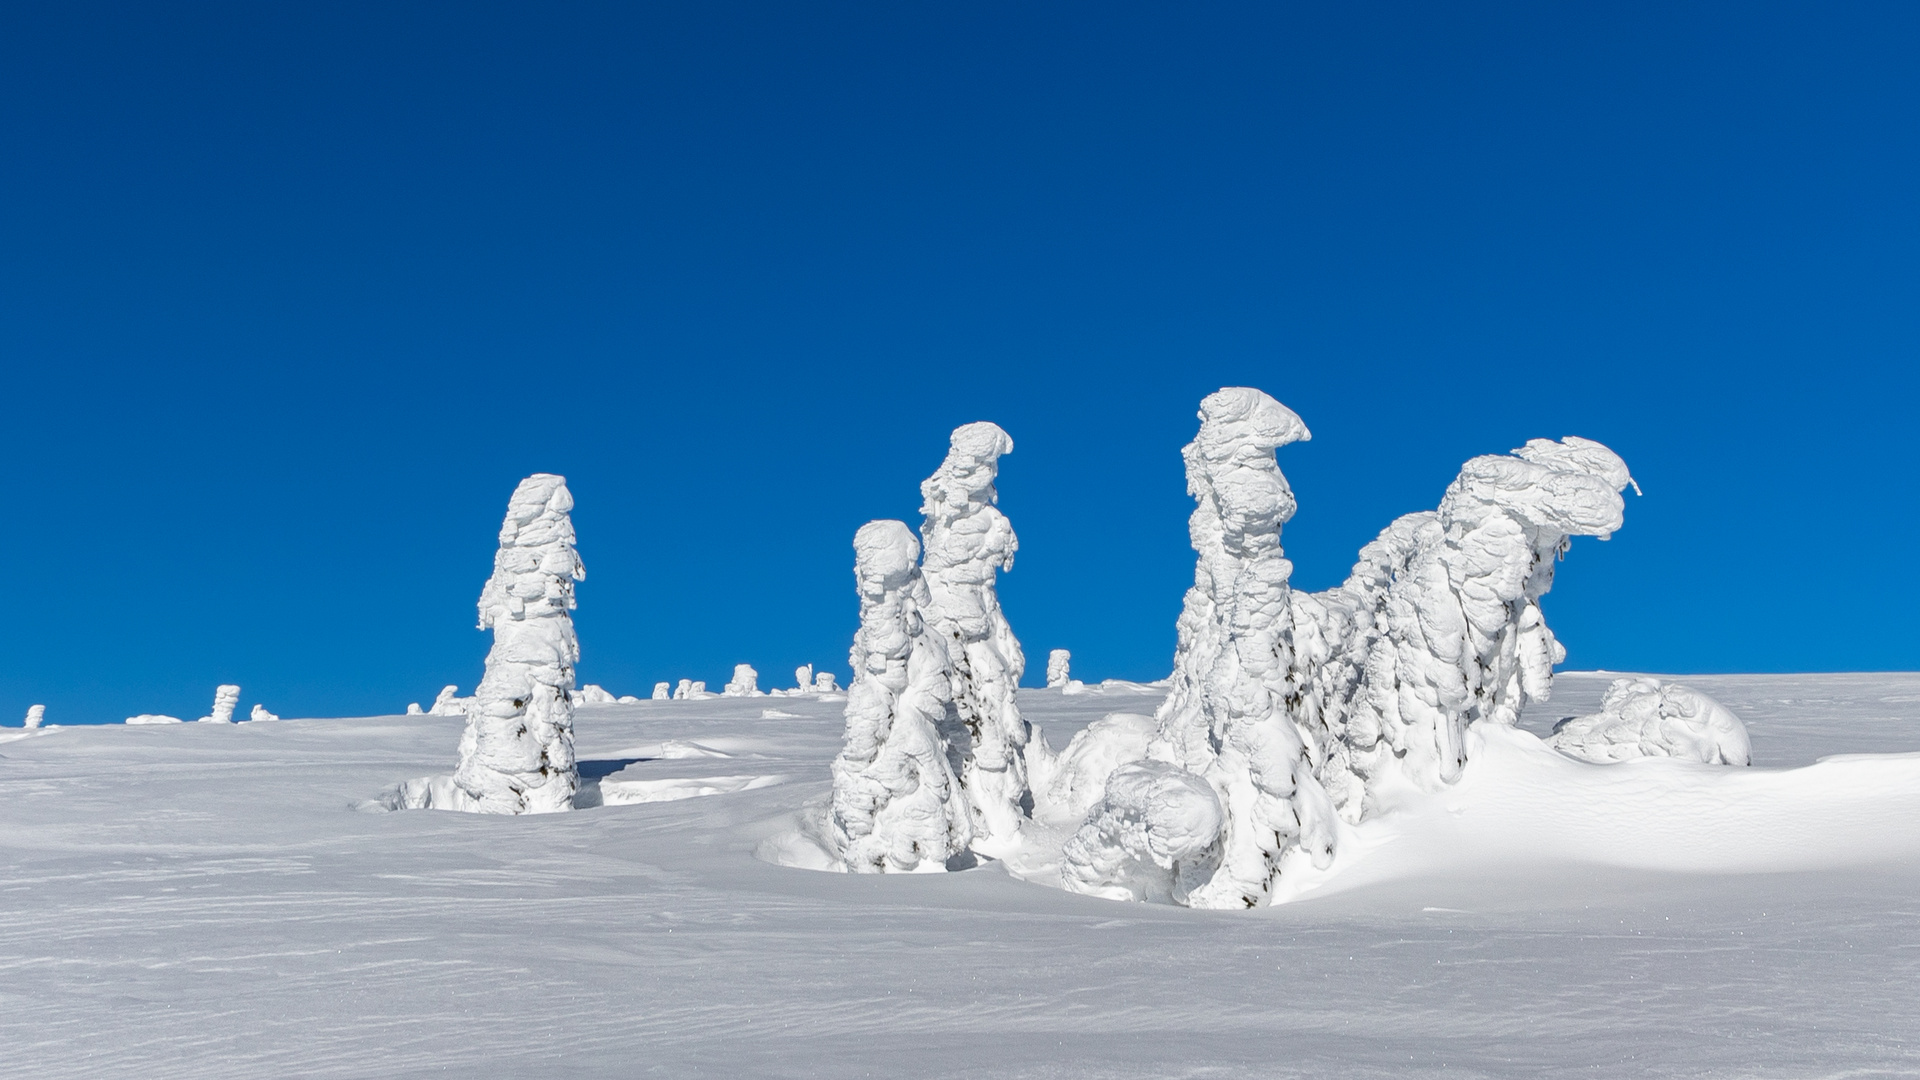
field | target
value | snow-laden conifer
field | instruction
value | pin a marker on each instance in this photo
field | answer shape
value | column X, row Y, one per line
column 226, row 697
column 745, row 683
column 36, row 714
column 897, row 801
column 1059, row 668
column 517, row 754
column 968, row 542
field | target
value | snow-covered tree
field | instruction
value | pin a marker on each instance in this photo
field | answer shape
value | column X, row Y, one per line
column 1460, row 636
column 661, row 692
column 1227, row 716
column 260, row 714
column 746, row 682
column 897, row 801
column 1154, row 836
column 1059, row 668
column 517, row 754
column 226, row 697
column 36, row 714
column 968, row 541
column 1649, row 718
column 449, row 703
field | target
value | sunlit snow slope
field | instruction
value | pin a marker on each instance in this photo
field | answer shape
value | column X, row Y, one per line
column 201, row 901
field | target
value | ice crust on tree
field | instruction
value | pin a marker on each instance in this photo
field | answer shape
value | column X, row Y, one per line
column 226, row 698
column 1648, row 718
column 1155, row 836
column 36, row 715
column 1059, row 668
column 968, row 541
column 897, row 801
column 745, row 682
column 516, row 756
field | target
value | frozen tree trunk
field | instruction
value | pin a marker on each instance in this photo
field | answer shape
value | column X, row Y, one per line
column 1459, row 636
column 968, row 541
column 746, row 682
column 897, row 801
column 36, row 714
column 226, row 698
column 1059, row 668
column 517, row 754
column 1226, row 717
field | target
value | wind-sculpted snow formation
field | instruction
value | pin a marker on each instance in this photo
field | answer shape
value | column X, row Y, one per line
column 897, row 800
column 226, row 698
column 36, row 715
column 1648, row 718
column 517, row 754
column 1299, row 708
column 1059, row 668
column 968, row 541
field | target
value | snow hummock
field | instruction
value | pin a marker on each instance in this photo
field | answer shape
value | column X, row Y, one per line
column 36, row 715
column 154, row 718
column 1154, row 836
column 1059, row 669
column 517, row 754
column 1645, row 717
column 226, row 698
column 593, row 694
column 745, row 682
column 968, row 541
column 897, row 802
column 260, row 713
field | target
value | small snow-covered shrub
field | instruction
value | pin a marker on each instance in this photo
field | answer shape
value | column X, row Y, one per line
column 1155, row 835
column 1648, row 718
column 226, row 698
column 1059, row 668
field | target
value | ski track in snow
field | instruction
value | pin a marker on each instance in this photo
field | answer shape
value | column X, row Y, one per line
column 200, row 901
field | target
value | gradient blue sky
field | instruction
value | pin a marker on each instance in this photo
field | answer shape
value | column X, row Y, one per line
column 292, row 295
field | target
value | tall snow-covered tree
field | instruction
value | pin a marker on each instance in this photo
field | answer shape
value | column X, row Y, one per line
column 516, row 756
column 968, row 542
column 897, row 800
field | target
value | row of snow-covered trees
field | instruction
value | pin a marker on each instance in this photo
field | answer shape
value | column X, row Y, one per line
column 1288, row 713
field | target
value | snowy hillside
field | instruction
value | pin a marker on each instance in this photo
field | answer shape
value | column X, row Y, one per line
column 205, row 901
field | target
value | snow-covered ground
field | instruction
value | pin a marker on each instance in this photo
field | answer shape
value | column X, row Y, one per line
column 203, row 901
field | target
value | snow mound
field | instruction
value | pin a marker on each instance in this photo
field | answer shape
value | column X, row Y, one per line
column 593, row 694
column 1648, row 718
column 1155, row 836
column 260, row 714
column 154, row 718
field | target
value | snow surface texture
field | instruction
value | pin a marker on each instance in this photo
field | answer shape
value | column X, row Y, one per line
column 968, row 542
column 1059, row 668
column 746, row 682
column 225, row 699
column 36, row 715
column 897, row 802
column 1649, row 718
column 191, row 902
column 517, row 754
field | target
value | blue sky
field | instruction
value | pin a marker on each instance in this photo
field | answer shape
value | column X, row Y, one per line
column 292, row 295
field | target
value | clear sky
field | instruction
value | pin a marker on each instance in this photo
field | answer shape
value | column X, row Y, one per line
column 292, row 295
